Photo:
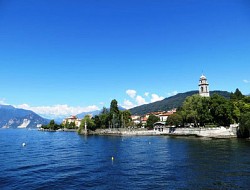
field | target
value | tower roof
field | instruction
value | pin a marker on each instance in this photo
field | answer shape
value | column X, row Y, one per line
column 203, row 77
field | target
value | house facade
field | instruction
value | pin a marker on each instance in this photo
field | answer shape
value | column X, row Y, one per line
column 72, row 119
column 163, row 116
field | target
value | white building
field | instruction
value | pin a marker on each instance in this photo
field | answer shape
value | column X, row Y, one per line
column 203, row 87
column 136, row 119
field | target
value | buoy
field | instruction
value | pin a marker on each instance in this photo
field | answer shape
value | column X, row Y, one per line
column 24, row 144
column 112, row 158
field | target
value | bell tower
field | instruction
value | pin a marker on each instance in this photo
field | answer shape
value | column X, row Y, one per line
column 203, row 87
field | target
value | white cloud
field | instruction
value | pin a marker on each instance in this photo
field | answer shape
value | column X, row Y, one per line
column 246, row 81
column 102, row 103
column 131, row 93
column 172, row 93
column 156, row 98
column 140, row 100
column 57, row 110
column 128, row 104
column 3, row 101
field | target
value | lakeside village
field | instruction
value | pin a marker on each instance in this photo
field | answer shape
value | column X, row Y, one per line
column 200, row 115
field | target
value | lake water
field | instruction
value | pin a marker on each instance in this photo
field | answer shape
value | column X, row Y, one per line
column 66, row 160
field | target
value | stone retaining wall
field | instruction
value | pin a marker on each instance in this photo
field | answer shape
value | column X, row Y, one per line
column 218, row 132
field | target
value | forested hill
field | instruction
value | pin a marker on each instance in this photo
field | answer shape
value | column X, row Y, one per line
column 170, row 102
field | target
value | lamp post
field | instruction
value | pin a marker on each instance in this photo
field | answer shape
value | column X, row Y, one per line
column 85, row 127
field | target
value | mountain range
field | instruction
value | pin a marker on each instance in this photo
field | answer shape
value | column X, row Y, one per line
column 11, row 117
column 163, row 105
column 170, row 102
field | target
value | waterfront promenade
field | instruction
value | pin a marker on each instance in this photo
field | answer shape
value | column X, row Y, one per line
column 217, row 132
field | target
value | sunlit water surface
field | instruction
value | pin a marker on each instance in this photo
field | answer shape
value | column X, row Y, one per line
column 66, row 160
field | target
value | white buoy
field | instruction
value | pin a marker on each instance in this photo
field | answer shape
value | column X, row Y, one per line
column 112, row 158
column 24, row 144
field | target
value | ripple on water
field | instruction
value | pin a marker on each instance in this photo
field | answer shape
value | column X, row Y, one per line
column 69, row 161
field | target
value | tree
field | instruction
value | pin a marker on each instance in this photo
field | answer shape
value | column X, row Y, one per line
column 244, row 127
column 235, row 112
column 240, row 104
column 114, row 116
column 151, row 120
column 204, row 115
column 221, row 110
column 97, row 121
column 72, row 125
column 104, row 111
column 195, row 110
column 52, row 126
column 125, row 118
column 66, row 125
column 237, row 95
column 175, row 119
column 189, row 109
column 52, row 122
column 243, row 106
column 114, row 107
column 247, row 99
column 102, row 120
column 89, row 122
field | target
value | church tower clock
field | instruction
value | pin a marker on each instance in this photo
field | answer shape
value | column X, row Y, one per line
column 203, row 86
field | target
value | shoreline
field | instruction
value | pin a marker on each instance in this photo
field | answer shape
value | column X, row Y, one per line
column 218, row 133
column 59, row 130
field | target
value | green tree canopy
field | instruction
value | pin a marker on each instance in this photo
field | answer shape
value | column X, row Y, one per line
column 237, row 95
column 97, row 121
column 195, row 110
column 104, row 111
column 240, row 104
column 151, row 120
column 52, row 125
column 125, row 118
column 89, row 121
column 221, row 110
column 114, row 115
column 244, row 131
column 102, row 120
column 114, row 107
column 247, row 99
column 175, row 119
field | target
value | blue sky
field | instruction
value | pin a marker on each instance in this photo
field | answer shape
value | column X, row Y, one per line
column 63, row 57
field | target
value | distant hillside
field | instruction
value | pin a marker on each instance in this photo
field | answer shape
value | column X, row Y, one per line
column 170, row 102
column 93, row 113
column 11, row 117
